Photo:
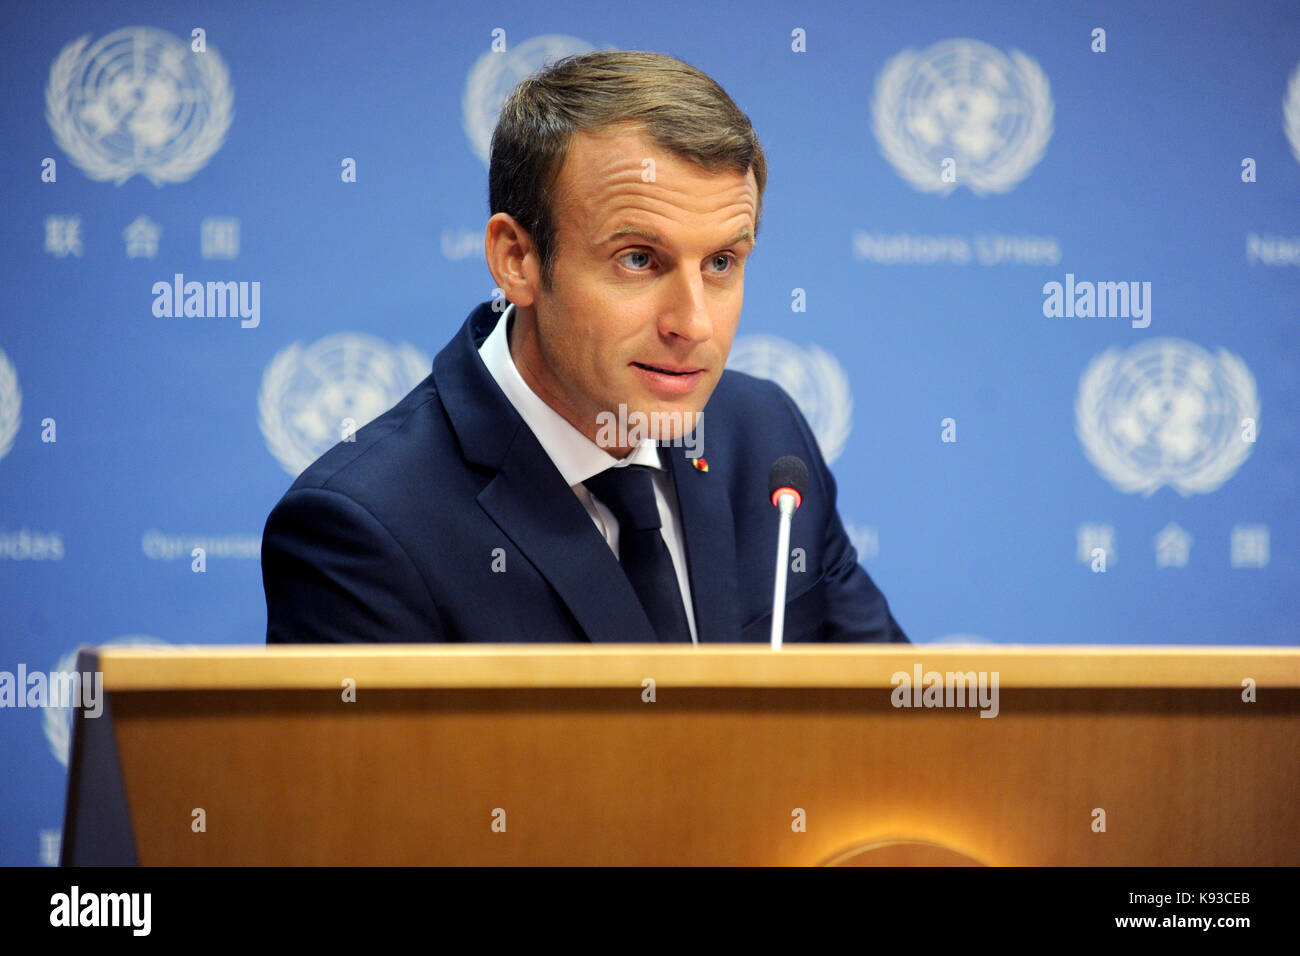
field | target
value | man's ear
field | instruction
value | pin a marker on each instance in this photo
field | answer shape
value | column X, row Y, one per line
column 512, row 259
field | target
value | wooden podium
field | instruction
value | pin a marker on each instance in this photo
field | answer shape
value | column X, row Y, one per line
column 535, row 754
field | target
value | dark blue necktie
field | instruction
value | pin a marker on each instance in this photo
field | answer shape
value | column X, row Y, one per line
column 629, row 493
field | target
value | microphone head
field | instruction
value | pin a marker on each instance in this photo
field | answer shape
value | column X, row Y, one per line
column 788, row 474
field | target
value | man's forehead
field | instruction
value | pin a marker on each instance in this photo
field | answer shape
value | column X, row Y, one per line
column 608, row 175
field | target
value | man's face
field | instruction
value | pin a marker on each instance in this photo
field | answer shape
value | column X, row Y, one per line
column 648, row 283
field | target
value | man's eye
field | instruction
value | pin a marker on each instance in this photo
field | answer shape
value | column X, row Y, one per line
column 726, row 261
column 635, row 252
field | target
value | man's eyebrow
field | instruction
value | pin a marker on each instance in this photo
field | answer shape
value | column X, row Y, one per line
column 649, row 235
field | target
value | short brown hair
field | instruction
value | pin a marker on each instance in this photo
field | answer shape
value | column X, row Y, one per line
column 684, row 112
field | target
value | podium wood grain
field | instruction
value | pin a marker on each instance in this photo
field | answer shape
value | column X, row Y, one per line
column 559, row 745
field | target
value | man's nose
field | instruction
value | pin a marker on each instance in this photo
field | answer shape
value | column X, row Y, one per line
column 686, row 313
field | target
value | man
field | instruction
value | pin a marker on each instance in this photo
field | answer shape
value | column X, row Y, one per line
column 518, row 494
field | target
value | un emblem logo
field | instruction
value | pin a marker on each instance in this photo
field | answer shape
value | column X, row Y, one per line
column 11, row 404
column 138, row 101
column 812, row 377
column 310, row 395
column 495, row 75
column 1166, row 412
column 966, row 101
column 1291, row 113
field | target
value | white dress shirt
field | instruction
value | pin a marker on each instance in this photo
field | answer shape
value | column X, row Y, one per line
column 578, row 458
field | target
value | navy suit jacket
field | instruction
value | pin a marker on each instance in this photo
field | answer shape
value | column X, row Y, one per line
column 446, row 521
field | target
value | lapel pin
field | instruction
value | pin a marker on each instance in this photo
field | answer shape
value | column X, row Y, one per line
column 700, row 464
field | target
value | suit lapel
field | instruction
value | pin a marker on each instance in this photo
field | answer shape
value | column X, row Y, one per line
column 532, row 505
column 710, row 547
column 528, row 499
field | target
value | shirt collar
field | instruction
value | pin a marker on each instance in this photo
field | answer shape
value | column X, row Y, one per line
column 575, row 455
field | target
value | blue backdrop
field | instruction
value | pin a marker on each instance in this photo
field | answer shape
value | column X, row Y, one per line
column 1110, row 462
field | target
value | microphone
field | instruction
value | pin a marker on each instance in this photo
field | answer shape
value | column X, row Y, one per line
column 786, row 484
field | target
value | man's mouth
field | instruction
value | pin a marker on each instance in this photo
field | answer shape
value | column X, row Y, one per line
column 667, row 369
column 669, row 381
